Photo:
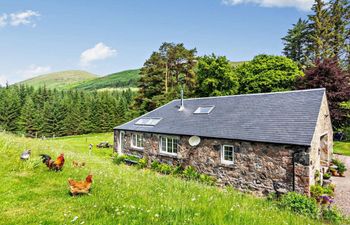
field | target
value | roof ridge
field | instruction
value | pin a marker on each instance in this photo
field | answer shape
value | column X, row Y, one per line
column 267, row 93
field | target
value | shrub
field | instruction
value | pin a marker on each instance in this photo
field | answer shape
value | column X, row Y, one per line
column 333, row 215
column 316, row 191
column 165, row 168
column 190, row 173
column 154, row 165
column 119, row 159
column 177, row 170
column 300, row 204
column 207, row 179
column 326, row 176
column 142, row 163
column 341, row 168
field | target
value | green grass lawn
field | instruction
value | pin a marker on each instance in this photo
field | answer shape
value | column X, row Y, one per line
column 30, row 194
column 342, row 148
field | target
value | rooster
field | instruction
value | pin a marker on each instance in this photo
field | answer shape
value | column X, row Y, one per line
column 80, row 187
column 55, row 165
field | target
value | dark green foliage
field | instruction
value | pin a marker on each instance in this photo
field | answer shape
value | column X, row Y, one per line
column 333, row 215
column 191, row 173
column 49, row 113
column 300, row 204
column 266, row 73
column 296, row 42
column 215, row 77
column 163, row 74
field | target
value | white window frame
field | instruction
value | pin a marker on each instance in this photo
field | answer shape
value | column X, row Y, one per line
column 134, row 145
column 227, row 162
column 121, row 142
column 167, row 138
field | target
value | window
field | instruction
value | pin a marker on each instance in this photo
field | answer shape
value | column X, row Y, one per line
column 137, row 141
column 148, row 121
column 168, row 145
column 204, row 109
column 227, row 154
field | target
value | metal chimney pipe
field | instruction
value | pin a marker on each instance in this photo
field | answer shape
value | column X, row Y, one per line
column 182, row 107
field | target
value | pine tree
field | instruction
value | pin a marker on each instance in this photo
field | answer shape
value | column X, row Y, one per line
column 10, row 109
column 339, row 11
column 320, row 32
column 296, row 42
column 27, row 121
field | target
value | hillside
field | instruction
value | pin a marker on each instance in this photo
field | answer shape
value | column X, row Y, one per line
column 120, row 194
column 123, row 79
column 59, row 80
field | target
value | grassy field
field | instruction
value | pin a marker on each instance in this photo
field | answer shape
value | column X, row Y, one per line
column 30, row 194
column 123, row 79
column 60, row 80
column 342, row 148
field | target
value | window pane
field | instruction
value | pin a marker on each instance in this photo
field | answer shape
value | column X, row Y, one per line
column 176, row 141
column 163, row 144
column 228, row 153
column 170, row 145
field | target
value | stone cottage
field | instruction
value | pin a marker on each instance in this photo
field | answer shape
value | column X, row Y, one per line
column 258, row 142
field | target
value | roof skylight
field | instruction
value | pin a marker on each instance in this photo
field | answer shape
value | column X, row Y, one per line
column 148, row 121
column 204, row 109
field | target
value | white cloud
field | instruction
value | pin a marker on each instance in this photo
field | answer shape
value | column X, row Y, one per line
column 34, row 70
column 299, row 4
column 24, row 18
column 3, row 20
column 99, row 52
column 3, row 80
column 21, row 18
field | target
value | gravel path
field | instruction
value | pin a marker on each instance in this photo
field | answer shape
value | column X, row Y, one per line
column 342, row 188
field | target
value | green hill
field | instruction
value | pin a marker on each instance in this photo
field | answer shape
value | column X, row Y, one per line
column 60, row 80
column 123, row 79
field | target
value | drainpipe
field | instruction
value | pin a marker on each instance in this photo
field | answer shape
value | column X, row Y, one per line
column 293, row 160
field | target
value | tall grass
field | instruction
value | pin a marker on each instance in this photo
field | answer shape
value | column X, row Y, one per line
column 30, row 194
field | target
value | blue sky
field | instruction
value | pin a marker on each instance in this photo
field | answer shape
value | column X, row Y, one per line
column 107, row 36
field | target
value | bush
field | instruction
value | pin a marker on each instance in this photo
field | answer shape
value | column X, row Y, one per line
column 300, row 204
column 119, row 159
column 142, row 163
column 165, row 168
column 154, row 165
column 316, row 191
column 177, row 170
column 326, row 176
column 209, row 180
column 190, row 173
column 333, row 215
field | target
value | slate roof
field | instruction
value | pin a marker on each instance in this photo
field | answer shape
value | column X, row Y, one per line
column 280, row 117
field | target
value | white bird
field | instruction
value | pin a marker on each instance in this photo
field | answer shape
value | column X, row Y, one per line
column 26, row 154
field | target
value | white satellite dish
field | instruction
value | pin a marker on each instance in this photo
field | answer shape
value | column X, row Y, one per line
column 194, row 141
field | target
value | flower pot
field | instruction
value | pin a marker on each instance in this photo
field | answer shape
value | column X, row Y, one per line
column 334, row 173
column 342, row 174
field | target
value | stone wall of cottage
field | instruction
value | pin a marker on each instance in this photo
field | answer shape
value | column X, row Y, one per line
column 260, row 168
column 319, row 158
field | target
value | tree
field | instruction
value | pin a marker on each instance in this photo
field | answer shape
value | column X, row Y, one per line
column 328, row 74
column 28, row 119
column 296, row 42
column 10, row 109
column 339, row 11
column 215, row 77
column 320, row 32
column 266, row 73
column 161, row 73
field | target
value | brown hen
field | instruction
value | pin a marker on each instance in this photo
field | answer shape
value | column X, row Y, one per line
column 80, row 187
